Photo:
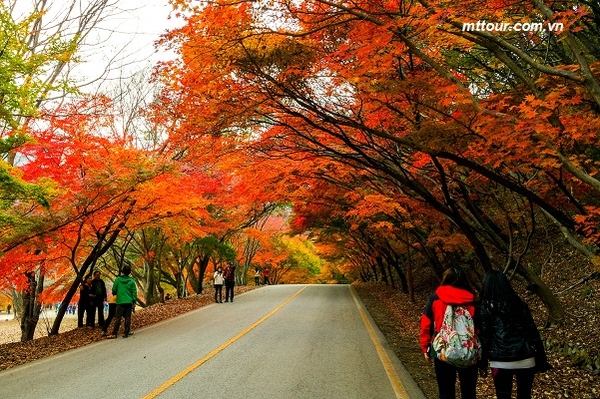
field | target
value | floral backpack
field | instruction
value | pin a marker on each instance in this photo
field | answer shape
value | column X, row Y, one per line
column 456, row 343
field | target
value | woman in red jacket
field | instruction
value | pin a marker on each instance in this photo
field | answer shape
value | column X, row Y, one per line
column 453, row 290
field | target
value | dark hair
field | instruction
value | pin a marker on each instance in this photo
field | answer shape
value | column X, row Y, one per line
column 497, row 292
column 126, row 270
column 456, row 278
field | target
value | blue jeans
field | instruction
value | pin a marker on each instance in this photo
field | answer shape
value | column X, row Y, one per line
column 112, row 310
column 446, row 379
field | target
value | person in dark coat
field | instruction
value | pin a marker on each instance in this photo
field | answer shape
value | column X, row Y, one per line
column 453, row 290
column 510, row 339
column 229, row 274
column 97, row 298
column 84, row 303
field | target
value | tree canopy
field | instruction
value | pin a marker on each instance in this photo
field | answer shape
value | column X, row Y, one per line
column 326, row 141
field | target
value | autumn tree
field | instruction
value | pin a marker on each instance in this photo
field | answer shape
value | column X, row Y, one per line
column 395, row 90
column 41, row 44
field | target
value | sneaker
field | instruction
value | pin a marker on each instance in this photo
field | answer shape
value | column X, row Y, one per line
column 226, row 300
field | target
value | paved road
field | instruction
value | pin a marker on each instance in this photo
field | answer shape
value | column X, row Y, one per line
column 287, row 341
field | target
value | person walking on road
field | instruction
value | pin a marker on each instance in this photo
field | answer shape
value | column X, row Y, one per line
column 453, row 290
column 218, row 280
column 229, row 281
column 83, row 305
column 511, row 341
column 8, row 308
column 97, row 298
column 126, row 291
column 256, row 277
column 266, row 276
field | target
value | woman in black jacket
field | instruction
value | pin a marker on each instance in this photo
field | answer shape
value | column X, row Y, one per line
column 84, row 304
column 510, row 339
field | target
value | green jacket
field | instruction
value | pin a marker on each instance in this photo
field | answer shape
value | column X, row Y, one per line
column 125, row 290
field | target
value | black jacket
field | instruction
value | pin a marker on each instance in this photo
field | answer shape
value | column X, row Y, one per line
column 508, row 336
column 98, row 289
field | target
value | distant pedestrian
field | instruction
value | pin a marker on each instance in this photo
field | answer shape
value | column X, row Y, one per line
column 256, row 276
column 112, row 309
column 97, row 298
column 168, row 297
column 229, row 281
column 453, row 290
column 84, row 304
column 8, row 308
column 266, row 276
column 126, row 291
column 218, row 280
column 511, row 341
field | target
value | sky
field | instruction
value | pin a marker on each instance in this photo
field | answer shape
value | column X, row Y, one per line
column 124, row 42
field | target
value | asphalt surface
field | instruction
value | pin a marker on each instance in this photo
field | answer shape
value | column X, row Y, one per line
column 284, row 342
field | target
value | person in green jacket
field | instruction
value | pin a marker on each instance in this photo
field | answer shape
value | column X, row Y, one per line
column 126, row 291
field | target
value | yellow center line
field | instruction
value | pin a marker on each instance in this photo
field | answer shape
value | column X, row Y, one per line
column 200, row 362
column 397, row 385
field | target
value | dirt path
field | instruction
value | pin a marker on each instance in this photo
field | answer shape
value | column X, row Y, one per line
column 10, row 330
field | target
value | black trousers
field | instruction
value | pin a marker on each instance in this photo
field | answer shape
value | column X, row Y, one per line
column 229, row 290
column 446, row 379
column 97, row 307
column 123, row 311
column 503, row 382
column 218, row 292
column 83, row 309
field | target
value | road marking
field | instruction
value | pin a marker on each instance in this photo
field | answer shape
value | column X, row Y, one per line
column 200, row 362
column 397, row 385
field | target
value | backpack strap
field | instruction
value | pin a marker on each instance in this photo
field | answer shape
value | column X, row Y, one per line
column 429, row 313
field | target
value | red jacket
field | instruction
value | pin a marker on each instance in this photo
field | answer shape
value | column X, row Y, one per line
column 433, row 314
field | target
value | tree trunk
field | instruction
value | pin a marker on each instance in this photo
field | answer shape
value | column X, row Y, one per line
column 62, row 309
column 383, row 271
column 409, row 274
column 401, row 276
column 31, row 306
column 556, row 313
column 99, row 249
column 151, row 294
column 178, row 284
column 17, row 303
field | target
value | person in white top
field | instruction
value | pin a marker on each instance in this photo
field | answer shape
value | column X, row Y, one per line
column 218, row 281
